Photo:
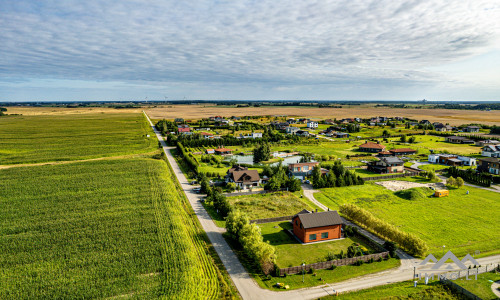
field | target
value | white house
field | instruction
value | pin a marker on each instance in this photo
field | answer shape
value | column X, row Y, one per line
column 291, row 130
column 256, row 135
column 312, row 124
column 467, row 161
column 491, row 151
column 433, row 158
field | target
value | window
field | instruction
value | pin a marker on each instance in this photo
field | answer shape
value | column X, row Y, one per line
column 324, row 235
column 312, row 237
column 297, row 222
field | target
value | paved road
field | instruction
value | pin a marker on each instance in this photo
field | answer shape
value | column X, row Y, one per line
column 246, row 286
column 495, row 287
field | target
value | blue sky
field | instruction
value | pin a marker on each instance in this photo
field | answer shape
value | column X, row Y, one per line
column 130, row 50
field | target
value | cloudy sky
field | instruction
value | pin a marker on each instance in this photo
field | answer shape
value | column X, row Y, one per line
column 133, row 50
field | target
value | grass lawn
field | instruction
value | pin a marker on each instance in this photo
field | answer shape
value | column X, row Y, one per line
column 424, row 143
column 433, row 167
column 401, row 290
column 34, row 139
column 464, row 223
column 292, row 253
column 260, row 206
column 482, row 286
column 338, row 149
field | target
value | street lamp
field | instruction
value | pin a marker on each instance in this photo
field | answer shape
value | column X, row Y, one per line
column 303, row 271
column 443, row 249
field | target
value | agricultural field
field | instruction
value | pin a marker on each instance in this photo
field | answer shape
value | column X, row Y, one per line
column 260, row 206
column 451, row 116
column 402, row 291
column 424, row 143
column 46, row 138
column 462, row 222
column 292, row 253
column 482, row 286
column 101, row 229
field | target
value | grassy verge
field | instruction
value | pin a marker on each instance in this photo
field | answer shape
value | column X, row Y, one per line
column 482, row 286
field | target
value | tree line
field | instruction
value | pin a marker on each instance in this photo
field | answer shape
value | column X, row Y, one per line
column 471, row 176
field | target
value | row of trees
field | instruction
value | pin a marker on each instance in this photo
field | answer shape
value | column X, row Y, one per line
column 188, row 158
column 337, row 177
column 239, row 228
column 458, row 182
column 407, row 241
column 471, row 176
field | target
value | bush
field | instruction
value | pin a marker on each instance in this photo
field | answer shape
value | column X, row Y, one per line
column 407, row 241
column 330, row 256
column 333, row 267
column 371, row 260
column 359, row 262
column 311, row 270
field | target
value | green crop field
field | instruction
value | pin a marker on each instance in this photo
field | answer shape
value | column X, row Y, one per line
column 34, row 139
column 401, row 291
column 424, row 143
column 463, row 223
column 101, row 229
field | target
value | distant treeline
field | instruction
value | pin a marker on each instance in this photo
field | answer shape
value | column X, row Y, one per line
column 2, row 110
column 484, row 106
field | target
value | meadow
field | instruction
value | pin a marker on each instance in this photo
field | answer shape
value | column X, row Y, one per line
column 482, row 286
column 462, row 222
column 101, row 229
column 47, row 138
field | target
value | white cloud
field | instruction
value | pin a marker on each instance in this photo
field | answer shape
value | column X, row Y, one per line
column 270, row 43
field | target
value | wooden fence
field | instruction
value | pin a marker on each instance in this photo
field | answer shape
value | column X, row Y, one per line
column 328, row 264
column 406, row 174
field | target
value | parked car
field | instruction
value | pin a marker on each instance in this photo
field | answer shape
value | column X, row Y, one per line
column 197, row 190
column 308, row 182
column 193, row 182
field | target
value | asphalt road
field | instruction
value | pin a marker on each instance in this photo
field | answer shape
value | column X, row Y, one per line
column 246, row 286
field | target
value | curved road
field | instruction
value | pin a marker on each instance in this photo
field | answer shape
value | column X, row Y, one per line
column 246, row 286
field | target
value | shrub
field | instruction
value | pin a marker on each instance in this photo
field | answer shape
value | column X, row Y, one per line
column 359, row 262
column 333, row 267
column 330, row 256
column 311, row 270
column 371, row 260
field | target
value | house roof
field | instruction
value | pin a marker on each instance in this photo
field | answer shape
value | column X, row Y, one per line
column 391, row 160
column 303, row 164
column 490, row 159
column 385, row 153
column 455, row 137
column 474, row 127
column 246, row 175
column 400, row 150
column 223, row 150
column 206, row 133
column 237, row 168
column 320, row 219
column 210, row 150
column 372, row 145
column 183, row 129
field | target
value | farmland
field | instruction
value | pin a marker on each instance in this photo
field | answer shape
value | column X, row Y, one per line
column 462, row 222
column 100, row 229
column 35, row 139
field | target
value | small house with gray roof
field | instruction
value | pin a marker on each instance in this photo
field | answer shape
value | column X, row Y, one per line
column 317, row 226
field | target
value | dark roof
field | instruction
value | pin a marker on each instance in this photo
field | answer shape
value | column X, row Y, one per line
column 391, row 160
column 304, row 211
column 246, row 176
column 237, row 168
column 402, row 150
column 490, row 159
column 320, row 219
column 457, row 137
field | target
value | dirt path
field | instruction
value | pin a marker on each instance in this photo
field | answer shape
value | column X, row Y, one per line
column 76, row 161
column 495, row 288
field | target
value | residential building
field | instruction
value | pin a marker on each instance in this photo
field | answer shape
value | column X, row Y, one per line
column 425, row 122
column 342, row 135
column 244, row 178
column 312, row 124
column 491, row 151
column 179, row 120
column 291, row 130
column 302, row 170
column 489, row 165
column 206, row 135
column 384, row 154
column 302, row 133
column 389, row 164
column 210, row 151
column 403, row 151
column 487, row 142
column 445, row 159
column 329, row 121
column 459, row 140
column 443, row 128
column 223, row 151
column 467, row 161
column 372, row 147
column 471, row 129
column 317, row 226
column 184, row 129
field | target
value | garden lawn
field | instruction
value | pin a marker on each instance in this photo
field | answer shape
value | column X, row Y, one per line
column 482, row 286
column 292, row 253
column 433, row 167
column 401, row 290
column 365, row 173
column 35, row 139
column 270, row 205
column 463, row 223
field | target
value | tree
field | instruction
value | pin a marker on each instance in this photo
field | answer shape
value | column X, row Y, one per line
column 459, row 182
column 231, row 187
column 385, row 133
column 403, row 138
column 391, row 247
column 431, row 175
column 273, row 184
column 316, row 177
column 451, row 181
column 235, row 221
column 261, row 153
column 411, row 140
column 293, row 184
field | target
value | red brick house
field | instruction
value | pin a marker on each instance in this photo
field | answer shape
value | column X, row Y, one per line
column 371, row 147
column 313, row 227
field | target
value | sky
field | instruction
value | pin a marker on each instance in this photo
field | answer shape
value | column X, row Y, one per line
column 249, row 50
